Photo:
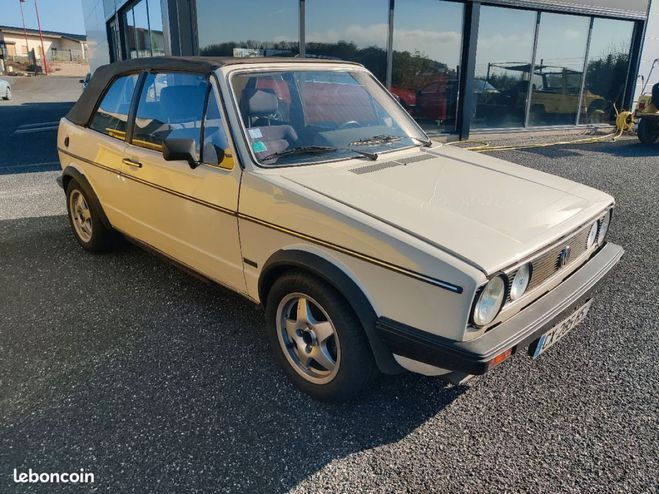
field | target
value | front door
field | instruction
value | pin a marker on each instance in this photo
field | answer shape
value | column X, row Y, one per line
column 187, row 214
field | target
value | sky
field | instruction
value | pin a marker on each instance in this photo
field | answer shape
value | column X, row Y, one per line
column 56, row 15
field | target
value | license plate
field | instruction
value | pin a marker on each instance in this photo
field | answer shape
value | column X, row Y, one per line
column 561, row 329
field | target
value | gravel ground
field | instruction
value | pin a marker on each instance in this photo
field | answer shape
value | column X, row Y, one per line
column 158, row 382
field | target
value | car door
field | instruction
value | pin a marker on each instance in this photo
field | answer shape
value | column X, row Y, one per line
column 102, row 145
column 189, row 214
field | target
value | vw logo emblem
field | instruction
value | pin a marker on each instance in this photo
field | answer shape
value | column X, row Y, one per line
column 564, row 256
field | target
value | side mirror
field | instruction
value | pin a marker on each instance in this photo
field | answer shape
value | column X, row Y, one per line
column 213, row 154
column 174, row 149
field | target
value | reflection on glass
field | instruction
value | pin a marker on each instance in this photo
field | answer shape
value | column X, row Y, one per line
column 142, row 41
column 349, row 30
column 606, row 75
column 248, row 29
column 130, row 34
column 503, row 61
column 426, row 57
column 155, row 27
column 557, row 73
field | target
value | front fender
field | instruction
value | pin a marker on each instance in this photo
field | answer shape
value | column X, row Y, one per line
column 341, row 281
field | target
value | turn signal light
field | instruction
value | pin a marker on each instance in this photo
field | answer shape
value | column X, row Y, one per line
column 500, row 358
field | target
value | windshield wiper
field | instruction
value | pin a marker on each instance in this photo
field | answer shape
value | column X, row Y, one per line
column 316, row 150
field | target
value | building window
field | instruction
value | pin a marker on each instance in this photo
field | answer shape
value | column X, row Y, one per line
column 558, row 69
column 426, row 57
column 606, row 73
column 503, row 62
column 144, row 32
column 248, row 29
column 349, row 30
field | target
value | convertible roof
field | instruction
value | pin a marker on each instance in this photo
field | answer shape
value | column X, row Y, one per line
column 105, row 74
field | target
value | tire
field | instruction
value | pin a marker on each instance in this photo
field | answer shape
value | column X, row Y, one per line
column 7, row 95
column 347, row 346
column 85, row 220
column 647, row 132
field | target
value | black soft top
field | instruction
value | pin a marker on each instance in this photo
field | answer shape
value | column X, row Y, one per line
column 105, row 74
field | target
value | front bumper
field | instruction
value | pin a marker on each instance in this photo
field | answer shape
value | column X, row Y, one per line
column 473, row 357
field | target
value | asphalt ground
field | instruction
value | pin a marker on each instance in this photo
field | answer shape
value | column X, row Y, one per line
column 28, row 122
column 157, row 382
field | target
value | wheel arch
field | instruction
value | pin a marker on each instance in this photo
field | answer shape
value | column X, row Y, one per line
column 71, row 173
column 283, row 261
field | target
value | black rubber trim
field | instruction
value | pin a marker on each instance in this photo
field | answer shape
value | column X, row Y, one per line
column 284, row 260
column 472, row 357
column 86, row 187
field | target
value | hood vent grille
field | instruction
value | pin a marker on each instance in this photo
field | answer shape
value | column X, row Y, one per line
column 390, row 164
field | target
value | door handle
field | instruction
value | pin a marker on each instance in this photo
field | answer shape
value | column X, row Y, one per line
column 132, row 163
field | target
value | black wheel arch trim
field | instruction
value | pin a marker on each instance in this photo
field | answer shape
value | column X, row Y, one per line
column 71, row 173
column 318, row 266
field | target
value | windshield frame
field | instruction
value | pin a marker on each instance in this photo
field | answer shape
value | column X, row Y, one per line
column 308, row 67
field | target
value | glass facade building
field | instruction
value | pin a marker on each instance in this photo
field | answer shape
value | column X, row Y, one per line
column 455, row 66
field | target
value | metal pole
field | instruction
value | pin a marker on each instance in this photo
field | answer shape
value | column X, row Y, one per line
column 303, row 35
column 27, row 45
column 583, row 74
column 529, row 90
column 44, row 63
column 390, row 45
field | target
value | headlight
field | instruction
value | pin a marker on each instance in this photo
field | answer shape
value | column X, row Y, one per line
column 521, row 281
column 489, row 301
column 592, row 235
column 604, row 227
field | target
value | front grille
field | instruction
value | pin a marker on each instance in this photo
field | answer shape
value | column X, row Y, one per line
column 547, row 265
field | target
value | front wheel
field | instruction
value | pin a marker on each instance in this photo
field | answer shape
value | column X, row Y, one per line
column 317, row 338
column 647, row 132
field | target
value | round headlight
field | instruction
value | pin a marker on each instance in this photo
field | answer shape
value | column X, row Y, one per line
column 604, row 227
column 520, row 282
column 489, row 301
column 592, row 235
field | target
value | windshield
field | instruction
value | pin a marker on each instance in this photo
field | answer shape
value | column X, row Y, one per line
column 296, row 117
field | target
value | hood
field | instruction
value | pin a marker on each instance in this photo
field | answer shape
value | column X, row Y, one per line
column 488, row 212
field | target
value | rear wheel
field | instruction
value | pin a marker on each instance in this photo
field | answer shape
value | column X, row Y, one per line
column 317, row 338
column 648, row 130
column 85, row 220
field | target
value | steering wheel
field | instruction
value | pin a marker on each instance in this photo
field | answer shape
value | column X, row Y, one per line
column 350, row 124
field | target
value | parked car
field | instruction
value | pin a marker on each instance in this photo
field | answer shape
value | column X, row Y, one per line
column 5, row 89
column 370, row 248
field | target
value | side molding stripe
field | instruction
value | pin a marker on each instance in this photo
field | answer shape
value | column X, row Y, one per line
column 358, row 255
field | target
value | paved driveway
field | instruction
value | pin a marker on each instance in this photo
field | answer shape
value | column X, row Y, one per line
column 157, row 382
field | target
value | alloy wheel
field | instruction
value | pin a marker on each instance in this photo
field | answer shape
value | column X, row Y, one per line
column 81, row 216
column 308, row 338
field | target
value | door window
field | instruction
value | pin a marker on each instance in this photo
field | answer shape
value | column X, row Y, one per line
column 171, row 104
column 111, row 116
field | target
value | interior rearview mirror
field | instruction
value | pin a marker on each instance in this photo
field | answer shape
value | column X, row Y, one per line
column 177, row 149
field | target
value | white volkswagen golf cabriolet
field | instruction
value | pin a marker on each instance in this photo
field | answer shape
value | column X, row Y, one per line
column 304, row 186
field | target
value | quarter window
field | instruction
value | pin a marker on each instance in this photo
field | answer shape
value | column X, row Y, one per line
column 171, row 104
column 111, row 116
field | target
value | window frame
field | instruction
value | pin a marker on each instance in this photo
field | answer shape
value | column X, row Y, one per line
column 130, row 129
column 138, row 88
